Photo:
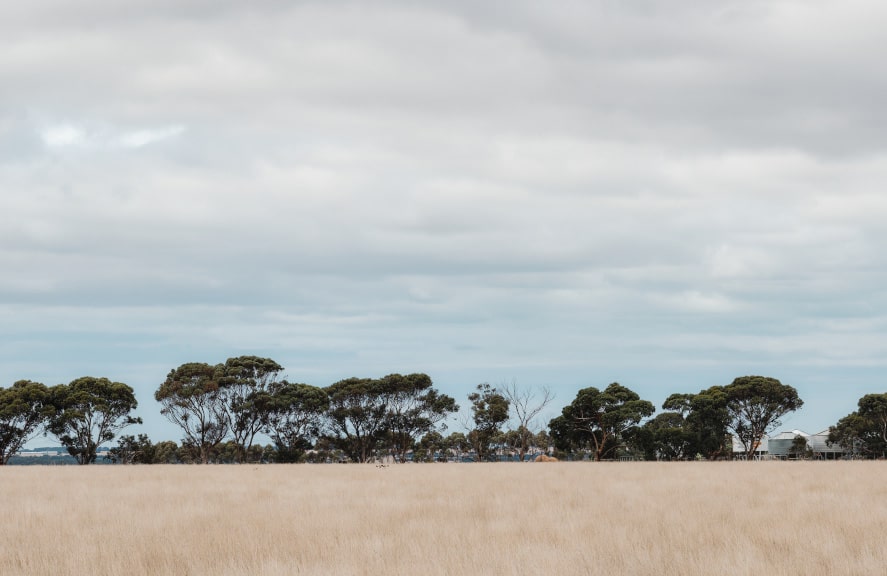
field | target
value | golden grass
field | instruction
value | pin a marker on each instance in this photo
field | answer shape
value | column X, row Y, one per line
column 827, row 518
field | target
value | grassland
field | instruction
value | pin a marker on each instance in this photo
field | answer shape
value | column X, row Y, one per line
column 826, row 518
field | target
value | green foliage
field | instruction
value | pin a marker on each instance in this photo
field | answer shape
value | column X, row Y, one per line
column 490, row 410
column 665, row 437
column 458, row 444
column 88, row 412
column 165, row 452
column 754, row 406
column 24, row 407
column 709, row 420
column 366, row 414
column 542, row 441
column 191, row 398
column 356, row 417
column 863, row 432
column 599, row 420
column 431, row 446
column 705, row 422
column 245, row 388
column 413, row 408
column 131, row 450
column 799, row 447
column 873, row 407
column 295, row 417
column 140, row 450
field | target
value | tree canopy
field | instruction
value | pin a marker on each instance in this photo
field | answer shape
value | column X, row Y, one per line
column 705, row 422
column 295, row 417
column 754, row 406
column 414, row 408
column 89, row 411
column 356, row 417
column 600, row 419
column 245, row 396
column 863, row 432
column 190, row 398
column 489, row 409
column 24, row 407
column 665, row 437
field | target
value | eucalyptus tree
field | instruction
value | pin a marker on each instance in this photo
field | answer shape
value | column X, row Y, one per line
column 601, row 419
column 356, row 419
column 413, row 408
column 754, row 406
column 191, row 399
column 429, row 446
column 666, row 437
column 489, row 411
column 140, row 450
column 864, row 431
column 24, row 407
column 295, row 417
column 88, row 412
column 873, row 407
column 245, row 389
column 705, row 420
column 457, row 443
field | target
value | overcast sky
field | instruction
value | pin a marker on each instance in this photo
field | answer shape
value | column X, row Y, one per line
column 664, row 194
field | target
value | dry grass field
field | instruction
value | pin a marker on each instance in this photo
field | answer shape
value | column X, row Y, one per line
column 758, row 519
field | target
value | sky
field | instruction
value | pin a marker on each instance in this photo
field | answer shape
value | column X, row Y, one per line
column 668, row 195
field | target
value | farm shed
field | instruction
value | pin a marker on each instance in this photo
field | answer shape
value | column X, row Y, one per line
column 761, row 449
column 780, row 445
column 818, row 443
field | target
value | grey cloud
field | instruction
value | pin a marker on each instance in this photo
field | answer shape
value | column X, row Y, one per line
column 456, row 186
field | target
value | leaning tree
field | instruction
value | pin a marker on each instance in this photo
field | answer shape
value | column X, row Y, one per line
column 191, row 399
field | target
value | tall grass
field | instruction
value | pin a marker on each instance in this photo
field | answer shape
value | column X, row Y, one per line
column 435, row 519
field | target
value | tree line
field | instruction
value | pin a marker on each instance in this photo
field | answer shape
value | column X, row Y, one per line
column 223, row 409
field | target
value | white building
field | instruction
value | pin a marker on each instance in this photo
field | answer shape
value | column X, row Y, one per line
column 779, row 446
column 762, row 449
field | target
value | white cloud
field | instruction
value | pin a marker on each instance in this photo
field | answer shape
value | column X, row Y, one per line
column 63, row 135
column 139, row 138
column 68, row 135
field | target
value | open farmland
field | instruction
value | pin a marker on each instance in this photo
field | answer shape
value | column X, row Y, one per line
column 825, row 518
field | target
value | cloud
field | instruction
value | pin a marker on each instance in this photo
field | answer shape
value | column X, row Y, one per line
column 140, row 138
column 470, row 189
column 62, row 135
column 67, row 135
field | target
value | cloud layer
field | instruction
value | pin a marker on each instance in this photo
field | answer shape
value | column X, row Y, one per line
column 664, row 195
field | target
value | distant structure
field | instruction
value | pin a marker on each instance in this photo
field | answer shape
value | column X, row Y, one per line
column 761, row 449
column 778, row 447
column 817, row 444
column 37, row 453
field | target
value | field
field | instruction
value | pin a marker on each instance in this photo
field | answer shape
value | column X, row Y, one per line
column 759, row 518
